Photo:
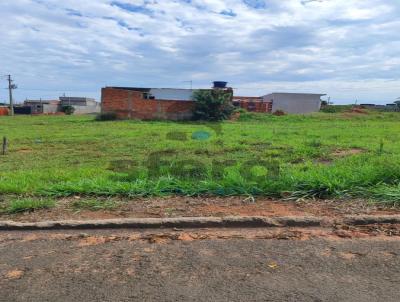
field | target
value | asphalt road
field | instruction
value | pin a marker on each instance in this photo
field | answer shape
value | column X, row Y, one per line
column 127, row 266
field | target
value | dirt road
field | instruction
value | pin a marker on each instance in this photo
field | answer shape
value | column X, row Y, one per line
column 198, row 265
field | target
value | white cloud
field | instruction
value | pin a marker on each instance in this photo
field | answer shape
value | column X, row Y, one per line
column 346, row 48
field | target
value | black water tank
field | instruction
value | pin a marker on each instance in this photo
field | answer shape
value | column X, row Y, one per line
column 220, row 84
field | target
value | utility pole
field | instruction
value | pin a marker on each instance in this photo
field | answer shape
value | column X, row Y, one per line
column 11, row 86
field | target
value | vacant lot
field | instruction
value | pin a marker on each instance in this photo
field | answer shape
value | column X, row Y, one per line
column 322, row 156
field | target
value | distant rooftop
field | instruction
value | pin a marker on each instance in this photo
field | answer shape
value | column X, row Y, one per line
column 320, row 94
column 146, row 89
column 41, row 101
column 75, row 98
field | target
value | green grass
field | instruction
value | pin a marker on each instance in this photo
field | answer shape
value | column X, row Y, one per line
column 68, row 155
column 28, row 205
column 94, row 204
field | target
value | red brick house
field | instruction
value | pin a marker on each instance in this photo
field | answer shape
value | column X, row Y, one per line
column 148, row 103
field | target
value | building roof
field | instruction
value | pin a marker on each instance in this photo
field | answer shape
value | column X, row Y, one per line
column 41, row 102
column 142, row 89
column 75, row 98
column 297, row 93
column 146, row 89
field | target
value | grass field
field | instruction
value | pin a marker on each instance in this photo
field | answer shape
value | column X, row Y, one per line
column 326, row 155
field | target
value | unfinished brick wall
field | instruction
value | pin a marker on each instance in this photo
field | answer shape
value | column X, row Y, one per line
column 256, row 106
column 253, row 104
column 131, row 104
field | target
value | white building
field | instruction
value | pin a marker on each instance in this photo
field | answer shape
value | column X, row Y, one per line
column 81, row 105
column 294, row 102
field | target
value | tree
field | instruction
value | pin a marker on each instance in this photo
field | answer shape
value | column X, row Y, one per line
column 212, row 105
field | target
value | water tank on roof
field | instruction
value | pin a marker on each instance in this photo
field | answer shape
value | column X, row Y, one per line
column 220, row 84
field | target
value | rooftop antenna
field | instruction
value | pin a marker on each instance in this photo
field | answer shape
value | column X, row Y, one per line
column 191, row 83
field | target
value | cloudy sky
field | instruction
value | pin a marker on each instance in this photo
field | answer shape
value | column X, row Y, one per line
column 349, row 49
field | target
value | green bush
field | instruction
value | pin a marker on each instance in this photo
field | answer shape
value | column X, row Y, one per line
column 106, row 116
column 213, row 105
column 68, row 109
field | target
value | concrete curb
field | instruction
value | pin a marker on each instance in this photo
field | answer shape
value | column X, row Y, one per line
column 200, row 222
column 371, row 219
column 148, row 223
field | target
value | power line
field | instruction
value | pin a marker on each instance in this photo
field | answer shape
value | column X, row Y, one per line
column 54, row 90
column 191, row 83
